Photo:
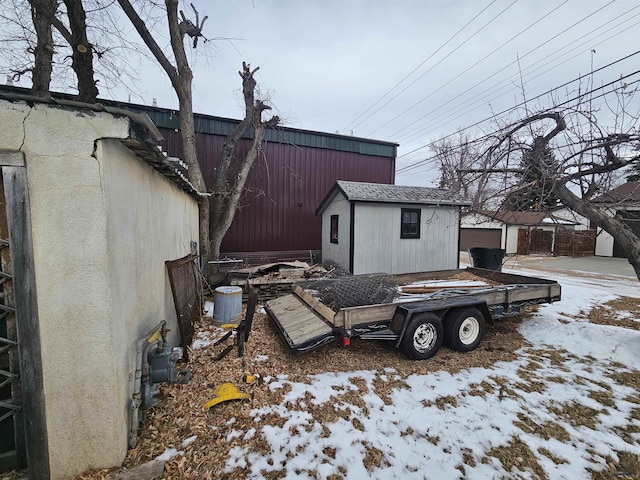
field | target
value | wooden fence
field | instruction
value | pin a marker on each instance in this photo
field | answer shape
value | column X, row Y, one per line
column 575, row 243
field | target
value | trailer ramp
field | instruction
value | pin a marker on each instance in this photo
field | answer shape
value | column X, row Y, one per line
column 301, row 327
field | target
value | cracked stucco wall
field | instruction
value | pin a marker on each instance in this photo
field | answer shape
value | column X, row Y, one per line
column 103, row 224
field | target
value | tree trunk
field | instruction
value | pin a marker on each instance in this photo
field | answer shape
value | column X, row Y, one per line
column 82, row 56
column 182, row 85
column 225, row 217
column 181, row 77
column 613, row 226
column 41, row 12
column 227, row 193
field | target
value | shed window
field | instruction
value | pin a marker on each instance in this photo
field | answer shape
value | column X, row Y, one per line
column 410, row 223
column 334, row 229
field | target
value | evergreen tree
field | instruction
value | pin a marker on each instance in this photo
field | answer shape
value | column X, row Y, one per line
column 532, row 194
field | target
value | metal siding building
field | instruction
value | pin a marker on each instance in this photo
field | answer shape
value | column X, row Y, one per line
column 286, row 183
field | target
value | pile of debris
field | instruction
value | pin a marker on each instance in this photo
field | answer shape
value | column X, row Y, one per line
column 274, row 279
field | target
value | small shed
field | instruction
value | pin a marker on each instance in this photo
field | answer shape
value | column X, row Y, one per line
column 624, row 203
column 372, row 227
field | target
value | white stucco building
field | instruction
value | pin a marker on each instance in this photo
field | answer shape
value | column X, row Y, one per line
column 371, row 228
column 97, row 223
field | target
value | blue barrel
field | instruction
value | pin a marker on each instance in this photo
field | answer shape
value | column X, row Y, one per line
column 227, row 304
column 489, row 258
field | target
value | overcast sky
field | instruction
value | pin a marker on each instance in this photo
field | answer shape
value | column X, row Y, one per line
column 325, row 63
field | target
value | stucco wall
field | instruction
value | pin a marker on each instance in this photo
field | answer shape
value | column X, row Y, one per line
column 338, row 252
column 103, row 223
column 379, row 248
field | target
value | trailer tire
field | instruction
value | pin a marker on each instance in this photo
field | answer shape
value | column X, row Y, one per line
column 423, row 336
column 464, row 329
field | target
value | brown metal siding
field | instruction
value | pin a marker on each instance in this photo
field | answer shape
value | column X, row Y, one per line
column 284, row 187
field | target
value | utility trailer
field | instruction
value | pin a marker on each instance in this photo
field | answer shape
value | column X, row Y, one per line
column 417, row 323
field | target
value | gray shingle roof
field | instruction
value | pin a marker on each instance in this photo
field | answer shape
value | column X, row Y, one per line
column 383, row 193
column 378, row 192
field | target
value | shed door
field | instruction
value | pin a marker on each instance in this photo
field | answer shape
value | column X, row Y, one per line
column 480, row 237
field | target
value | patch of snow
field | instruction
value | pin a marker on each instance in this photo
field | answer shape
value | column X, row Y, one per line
column 261, row 358
column 208, row 309
column 168, row 454
column 189, row 441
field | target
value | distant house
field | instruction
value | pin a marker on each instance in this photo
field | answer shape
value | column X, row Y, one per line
column 624, row 203
column 371, row 227
column 92, row 211
column 516, row 232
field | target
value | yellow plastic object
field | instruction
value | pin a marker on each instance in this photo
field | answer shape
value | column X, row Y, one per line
column 155, row 336
column 250, row 379
column 225, row 392
column 228, row 326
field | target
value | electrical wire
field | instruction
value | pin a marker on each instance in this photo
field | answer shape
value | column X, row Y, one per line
column 480, row 98
column 466, row 70
column 436, row 64
column 511, row 125
column 420, row 65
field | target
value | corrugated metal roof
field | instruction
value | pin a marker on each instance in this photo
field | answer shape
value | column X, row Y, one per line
column 378, row 192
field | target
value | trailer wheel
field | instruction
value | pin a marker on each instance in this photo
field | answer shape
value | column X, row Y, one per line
column 423, row 337
column 464, row 329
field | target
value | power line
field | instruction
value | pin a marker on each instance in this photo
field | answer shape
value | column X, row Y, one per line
column 536, row 97
column 436, row 64
column 493, row 134
column 461, row 104
column 466, row 70
column 422, row 127
column 422, row 63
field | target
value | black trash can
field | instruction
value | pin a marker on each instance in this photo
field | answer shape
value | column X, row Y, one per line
column 489, row 258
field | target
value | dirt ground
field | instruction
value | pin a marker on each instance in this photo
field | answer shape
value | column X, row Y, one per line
column 180, row 414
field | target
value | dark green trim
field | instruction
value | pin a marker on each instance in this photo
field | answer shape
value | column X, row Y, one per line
column 208, row 124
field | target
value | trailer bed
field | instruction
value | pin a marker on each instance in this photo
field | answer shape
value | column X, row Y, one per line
column 306, row 323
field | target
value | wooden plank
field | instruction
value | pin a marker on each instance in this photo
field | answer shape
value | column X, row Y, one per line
column 26, row 306
column 298, row 321
column 314, row 303
column 147, row 471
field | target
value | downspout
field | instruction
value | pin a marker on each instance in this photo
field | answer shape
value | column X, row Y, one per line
column 144, row 345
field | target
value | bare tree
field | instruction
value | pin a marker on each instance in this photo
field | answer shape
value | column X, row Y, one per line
column 586, row 154
column 232, row 171
column 463, row 170
column 42, row 13
column 181, row 77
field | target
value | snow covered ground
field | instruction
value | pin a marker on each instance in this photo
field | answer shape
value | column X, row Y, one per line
column 566, row 408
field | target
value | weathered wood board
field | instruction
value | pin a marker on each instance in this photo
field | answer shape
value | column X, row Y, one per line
column 299, row 323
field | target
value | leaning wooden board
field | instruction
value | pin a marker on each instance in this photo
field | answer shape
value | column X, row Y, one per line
column 301, row 327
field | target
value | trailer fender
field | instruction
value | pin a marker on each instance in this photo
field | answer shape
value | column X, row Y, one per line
column 404, row 313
